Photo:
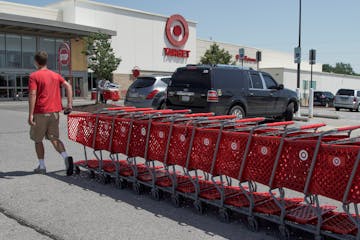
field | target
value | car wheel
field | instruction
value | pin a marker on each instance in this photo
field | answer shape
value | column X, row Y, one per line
column 162, row 105
column 358, row 108
column 238, row 111
column 289, row 112
column 337, row 109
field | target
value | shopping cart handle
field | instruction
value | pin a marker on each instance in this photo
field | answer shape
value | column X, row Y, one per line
column 311, row 126
column 118, row 108
column 222, row 117
column 277, row 124
column 246, row 120
column 178, row 111
column 348, row 128
column 209, row 114
column 138, row 110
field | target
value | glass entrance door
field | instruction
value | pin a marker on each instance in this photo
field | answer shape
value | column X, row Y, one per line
column 77, row 85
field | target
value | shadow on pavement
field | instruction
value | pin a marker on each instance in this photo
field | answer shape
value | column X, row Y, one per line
column 184, row 216
column 10, row 175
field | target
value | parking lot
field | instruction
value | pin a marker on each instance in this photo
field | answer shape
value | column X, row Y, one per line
column 54, row 206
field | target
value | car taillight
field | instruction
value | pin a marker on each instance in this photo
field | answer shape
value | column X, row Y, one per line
column 152, row 94
column 354, row 99
column 212, row 96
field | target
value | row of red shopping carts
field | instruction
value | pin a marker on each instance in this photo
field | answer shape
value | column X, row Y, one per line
column 220, row 161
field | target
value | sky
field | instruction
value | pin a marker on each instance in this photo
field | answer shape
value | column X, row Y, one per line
column 329, row 27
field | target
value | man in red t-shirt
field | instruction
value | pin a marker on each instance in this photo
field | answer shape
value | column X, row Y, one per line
column 44, row 107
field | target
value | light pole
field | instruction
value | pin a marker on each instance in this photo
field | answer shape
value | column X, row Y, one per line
column 299, row 46
column 298, row 62
column 312, row 61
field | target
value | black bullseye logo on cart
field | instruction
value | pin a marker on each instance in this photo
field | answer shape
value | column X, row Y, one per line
column 177, row 33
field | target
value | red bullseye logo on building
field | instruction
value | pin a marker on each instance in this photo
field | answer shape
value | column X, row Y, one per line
column 177, row 30
column 177, row 33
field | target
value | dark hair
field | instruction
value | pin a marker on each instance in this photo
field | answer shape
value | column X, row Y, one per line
column 41, row 58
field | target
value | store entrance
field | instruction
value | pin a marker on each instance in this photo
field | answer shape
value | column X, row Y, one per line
column 77, row 85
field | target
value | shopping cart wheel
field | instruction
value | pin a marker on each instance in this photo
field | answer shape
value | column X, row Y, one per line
column 121, row 184
column 156, row 194
column 137, row 188
column 318, row 237
column 253, row 224
column 284, row 232
column 199, row 207
column 91, row 174
column 176, row 201
column 77, row 170
column 104, row 179
column 224, row 215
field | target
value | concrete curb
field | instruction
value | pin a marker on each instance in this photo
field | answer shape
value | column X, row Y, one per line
column 301, row 118
column 322, row 116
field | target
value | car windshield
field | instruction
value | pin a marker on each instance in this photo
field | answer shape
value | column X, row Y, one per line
column 143, row 82
column 191, row 77
column 328, row 94
column 346, row 92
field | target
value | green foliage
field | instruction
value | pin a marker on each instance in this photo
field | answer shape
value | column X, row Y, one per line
column 327, row 68
column 101, row 55
column 340, row 68
column 215, row 55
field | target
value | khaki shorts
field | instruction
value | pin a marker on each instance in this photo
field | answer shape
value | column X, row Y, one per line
column 46, row 125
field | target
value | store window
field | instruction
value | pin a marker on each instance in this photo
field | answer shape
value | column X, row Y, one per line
column 13, row 51
column 2, row 50
column 28, row 51
column 11, row 84
column 3, row 81
column 48, row 45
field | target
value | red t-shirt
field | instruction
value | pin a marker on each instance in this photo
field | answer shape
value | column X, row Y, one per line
column 47, row 85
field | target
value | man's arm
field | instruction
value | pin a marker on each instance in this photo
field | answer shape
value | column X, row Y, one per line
column 69, row 94
column 32, row 100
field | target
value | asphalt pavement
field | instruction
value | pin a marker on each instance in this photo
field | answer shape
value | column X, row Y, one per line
column 54, row 206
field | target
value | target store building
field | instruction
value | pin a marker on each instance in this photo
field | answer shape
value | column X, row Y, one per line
column 147, row 43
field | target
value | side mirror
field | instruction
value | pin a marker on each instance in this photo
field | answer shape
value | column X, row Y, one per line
column 281, row 86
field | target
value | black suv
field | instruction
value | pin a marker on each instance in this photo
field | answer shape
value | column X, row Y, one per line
column 225, row 89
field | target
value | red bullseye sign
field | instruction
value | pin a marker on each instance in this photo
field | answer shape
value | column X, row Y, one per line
column 177, row 30
column 64, row 54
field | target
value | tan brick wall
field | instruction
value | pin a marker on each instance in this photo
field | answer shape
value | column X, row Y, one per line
column 78, row 59
column 124, row 80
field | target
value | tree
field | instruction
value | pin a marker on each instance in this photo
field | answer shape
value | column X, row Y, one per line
column 101, row 55
column 340, row 68
column 343, row 68
column 215, row 55
column 327, row 68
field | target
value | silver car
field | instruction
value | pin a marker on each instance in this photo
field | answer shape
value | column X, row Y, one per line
column 348, row 99
column 148, row 91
